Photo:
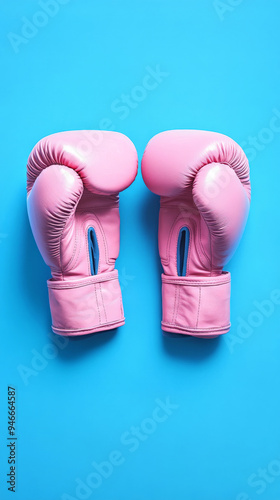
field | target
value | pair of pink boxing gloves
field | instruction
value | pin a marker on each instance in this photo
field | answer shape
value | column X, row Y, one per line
column 73, row 183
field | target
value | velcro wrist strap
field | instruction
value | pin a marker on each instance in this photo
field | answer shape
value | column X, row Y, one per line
column 86, row 305
column 196, row 306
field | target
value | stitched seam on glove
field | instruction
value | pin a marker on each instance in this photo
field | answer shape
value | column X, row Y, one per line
column 90, row 328
column 60, row 238
column 74, row 257
column 209, row 260
column 98, row 278
column 198, row 309
column 101, row 295
column 189, row 329
column 96, row 302
column 175, row 307
column 201, row 283
column 104, row 240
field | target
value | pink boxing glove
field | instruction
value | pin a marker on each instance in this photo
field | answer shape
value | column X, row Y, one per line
column 203, row 180
column 73, row 181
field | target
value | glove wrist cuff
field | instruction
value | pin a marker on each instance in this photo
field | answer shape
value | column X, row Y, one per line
column 196, row 306
column 86, row 305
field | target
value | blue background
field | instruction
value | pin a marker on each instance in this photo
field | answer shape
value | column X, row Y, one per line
column 221, row 65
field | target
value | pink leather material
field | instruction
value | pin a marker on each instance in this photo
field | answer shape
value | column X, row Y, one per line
column 105, row 161
column 99, row 299
column 196, row 306
column 204, row 184
column 73, row 181
column 180, row 154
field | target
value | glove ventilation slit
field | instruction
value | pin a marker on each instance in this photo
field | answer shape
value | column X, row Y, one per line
column 93, row 251
column 182, row 251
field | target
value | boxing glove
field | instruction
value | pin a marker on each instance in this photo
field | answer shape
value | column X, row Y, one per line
column 73, row 181
column 203, row 180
